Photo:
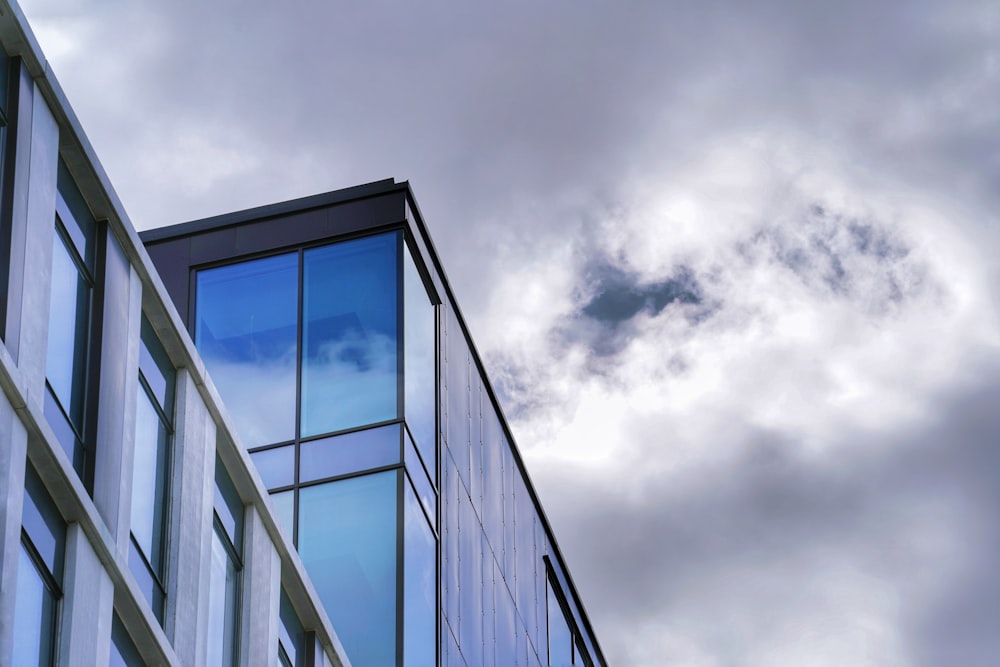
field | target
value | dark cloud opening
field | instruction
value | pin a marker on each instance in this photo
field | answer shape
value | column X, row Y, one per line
column 620, row 296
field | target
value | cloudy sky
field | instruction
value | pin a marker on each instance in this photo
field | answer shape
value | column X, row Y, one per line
column 731, row 266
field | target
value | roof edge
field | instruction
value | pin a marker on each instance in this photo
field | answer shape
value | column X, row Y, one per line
column 232, row 218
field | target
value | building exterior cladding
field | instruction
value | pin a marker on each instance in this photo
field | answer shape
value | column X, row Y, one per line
column 284, row 450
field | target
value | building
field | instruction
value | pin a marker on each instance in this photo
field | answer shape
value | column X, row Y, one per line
column 263, row 438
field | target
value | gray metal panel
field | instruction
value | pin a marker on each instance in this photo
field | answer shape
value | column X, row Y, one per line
column 12, row 458
column 85, row 629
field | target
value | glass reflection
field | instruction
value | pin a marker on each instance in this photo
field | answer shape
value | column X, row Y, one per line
column 284, row 510
column 221, row 604
column 351, row 452
column 347, row 541
column 35, row 615
column 419, row 584
column 149, row 476
column 123, row 650
column 276, row 467
column 246, row 330
column 350, row 371
column 67, row 342
column 420, row 480
column 560, row 637
column 418, row 355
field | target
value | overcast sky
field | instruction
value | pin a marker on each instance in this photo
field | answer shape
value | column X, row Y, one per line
column 731, row 266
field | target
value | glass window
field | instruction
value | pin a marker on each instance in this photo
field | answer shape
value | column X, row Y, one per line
column 123, row 650
column 422, row 484
column 419, row 585
column 70, row 319
column 560, row 636
column 284, row 510
column 39, row 576
column 350, row 452
column 418, row 351
column 347, row 541
column 291, row 641
column 150, row 468
column 350, row 369
column 245, row 329
column 276, row 466
column 225, row 572
column 9, row 73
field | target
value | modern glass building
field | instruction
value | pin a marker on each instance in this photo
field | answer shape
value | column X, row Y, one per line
column 264, row 438
column 330, row 330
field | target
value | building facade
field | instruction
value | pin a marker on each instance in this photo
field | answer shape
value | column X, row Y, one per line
column 264, row 438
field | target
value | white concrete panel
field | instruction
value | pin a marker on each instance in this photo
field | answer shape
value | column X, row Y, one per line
column 88, row 598
column 261, row 594
column 13, row 445
column 190, row 541
column 118, row 387
column 43, row 166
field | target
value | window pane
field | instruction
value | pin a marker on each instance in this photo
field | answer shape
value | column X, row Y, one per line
column 67, row 341
column 350, row 371
column 284, row 510
column 420, row 584
column 123, row 651
column 228, row 505
column 245, row 329
column 420, row 481
column 222, row 605
column 275, row 466
column 560, row 637
column 34, row 615
column 351, row 452
column 150, row 588
column 347, row 541
column 418, row 354
column 157, row 369
column 291, row 641
column 43, row 524
column 149, row 480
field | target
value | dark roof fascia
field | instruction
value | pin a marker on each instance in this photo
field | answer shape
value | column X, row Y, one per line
column 234, row 218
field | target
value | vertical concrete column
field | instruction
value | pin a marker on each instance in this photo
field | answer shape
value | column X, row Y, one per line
column 88, row 598
column 190, row 550
column 117, row 397
column 19, row 200
column 261, row 594
column 39, row 228
column 13, row 446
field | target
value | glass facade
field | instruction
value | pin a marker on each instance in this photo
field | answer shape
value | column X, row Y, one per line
column 70, row 306
column 39, row 576
column 150, row 468
column 123, row 650
column 226, row 567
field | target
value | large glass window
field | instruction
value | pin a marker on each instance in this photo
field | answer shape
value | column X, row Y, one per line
column 347, row 541
column 418, row 351
column 226, row 568
column 246, row 331
column 73, row 272
column 291, row 640
column 123, row 650
column 39, row 576
column 150, row 468
column 419, row 585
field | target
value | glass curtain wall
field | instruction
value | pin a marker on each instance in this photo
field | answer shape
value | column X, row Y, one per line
column 150, row 469
column 38, row 588
column 123, row 650
column 70, row 316
column 308, row 349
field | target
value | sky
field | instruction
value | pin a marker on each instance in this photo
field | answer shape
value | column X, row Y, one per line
column 730, row 266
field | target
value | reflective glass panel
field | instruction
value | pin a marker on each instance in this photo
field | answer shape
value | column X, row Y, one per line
column 149, row 479
column 419, row 586
column 34, row 615
column 350, row 370
column 418, row 353
column 351, row 452
column 347, row 541
column 123, row 650
column 222, row 604
column 560, row 637
column 275, row 466
column 470, row 600
column 291, row 641
column 150, row 588
column 420, row 480
column 228, row 504
column 246, row 330
column 284, row 510
column 43, row 524
column 65, row 362
column 457, row 385
column 156, row 368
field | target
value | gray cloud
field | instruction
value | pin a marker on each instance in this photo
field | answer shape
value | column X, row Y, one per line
column 755, row 239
